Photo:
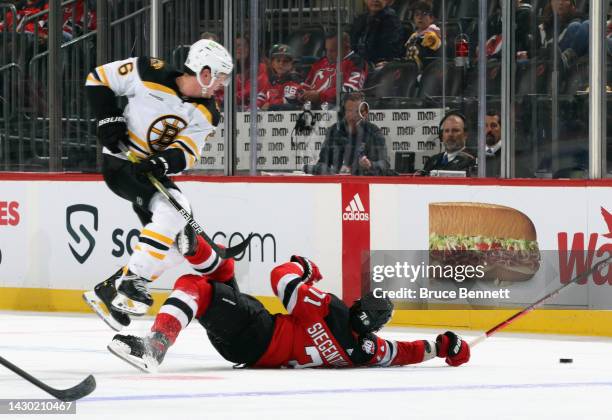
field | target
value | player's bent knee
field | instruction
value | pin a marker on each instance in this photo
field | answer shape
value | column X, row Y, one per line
column 225, row 270
column 181, row 198
column 165, row 214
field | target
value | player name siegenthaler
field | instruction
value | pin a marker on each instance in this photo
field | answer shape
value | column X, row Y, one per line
column 424, row 293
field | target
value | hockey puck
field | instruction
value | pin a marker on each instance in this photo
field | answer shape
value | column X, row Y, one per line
column 566, row 360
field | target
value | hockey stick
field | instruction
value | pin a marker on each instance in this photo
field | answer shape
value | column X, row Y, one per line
column 534, row 305
column 224, row 253
column 84, row 388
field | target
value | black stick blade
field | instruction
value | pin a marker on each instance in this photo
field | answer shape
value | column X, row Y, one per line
column 77, row 392
column 231, row 252
column 86, row 387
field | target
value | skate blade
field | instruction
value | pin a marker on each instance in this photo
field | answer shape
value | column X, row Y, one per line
column 100, row 309
column 121, row 350
column 129, row 306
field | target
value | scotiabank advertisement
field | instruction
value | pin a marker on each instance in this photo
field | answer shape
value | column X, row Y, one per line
column 430, row 245
column 73, row 234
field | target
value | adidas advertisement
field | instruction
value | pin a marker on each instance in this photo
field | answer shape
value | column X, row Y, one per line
column 355, row 210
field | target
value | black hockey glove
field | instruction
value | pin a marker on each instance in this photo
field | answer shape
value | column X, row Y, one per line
column 311, row 271
column 156, row 165
column 112, row 131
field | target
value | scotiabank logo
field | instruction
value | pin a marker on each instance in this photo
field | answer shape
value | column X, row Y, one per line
column 8, row 213
column 355, row 210
column 85, row 210
column 262, row 245
column 580, row 256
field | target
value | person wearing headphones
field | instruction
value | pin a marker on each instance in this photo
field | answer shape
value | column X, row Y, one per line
column 453, row 135
column 353, row 146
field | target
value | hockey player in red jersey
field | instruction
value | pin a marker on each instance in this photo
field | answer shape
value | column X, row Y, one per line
column 282, row 83
column 318, row 331
column 320, row 84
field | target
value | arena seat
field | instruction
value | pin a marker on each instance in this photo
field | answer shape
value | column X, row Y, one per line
column 463, row 9
column 438, row 79
column 403, row 8
column 396, row 79
column 308, row 43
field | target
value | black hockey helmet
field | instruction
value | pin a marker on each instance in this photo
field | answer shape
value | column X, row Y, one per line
column 370, row 314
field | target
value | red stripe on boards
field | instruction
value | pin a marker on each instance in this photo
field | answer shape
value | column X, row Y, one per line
column 355, row 213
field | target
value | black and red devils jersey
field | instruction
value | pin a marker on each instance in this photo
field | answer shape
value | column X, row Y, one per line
column 322, row 76
column 316, row 332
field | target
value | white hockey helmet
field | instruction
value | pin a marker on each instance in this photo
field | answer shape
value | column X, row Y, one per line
column 211, row 54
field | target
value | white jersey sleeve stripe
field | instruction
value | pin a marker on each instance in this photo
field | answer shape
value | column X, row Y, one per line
column 287, row 288
column 293, row 299
column 141, row 144
column 187, row 144
column 92, row 81
column 390, row 353
column 283, row 282
column 102, row 75
column 206, row 113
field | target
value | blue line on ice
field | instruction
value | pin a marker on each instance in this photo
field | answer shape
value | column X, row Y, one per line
column 432, row 388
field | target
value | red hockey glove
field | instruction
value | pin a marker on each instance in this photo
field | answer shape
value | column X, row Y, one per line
column 450, row 346
column 311, row 271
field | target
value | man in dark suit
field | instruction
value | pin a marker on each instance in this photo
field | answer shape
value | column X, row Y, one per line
column 353, row 146
column 454, row 137
column 493, row 147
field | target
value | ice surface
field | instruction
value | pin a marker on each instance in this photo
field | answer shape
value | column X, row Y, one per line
column 509, row 377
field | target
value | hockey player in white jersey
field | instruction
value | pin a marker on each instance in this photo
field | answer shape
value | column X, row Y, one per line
column 169, row 115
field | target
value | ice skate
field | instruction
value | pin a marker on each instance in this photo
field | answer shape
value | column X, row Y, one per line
column 100, row 300
column 144, row 353
column 133, row 297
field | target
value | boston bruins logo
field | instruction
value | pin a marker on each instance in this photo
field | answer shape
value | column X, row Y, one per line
column 156, row 63
column 163, row 132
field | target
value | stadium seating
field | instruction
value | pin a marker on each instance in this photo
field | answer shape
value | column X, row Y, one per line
column 396, row 79
column 308, row 44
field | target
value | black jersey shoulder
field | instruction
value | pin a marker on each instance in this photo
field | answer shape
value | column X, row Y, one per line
column 211, row 105
column 158, row 71
column 338, row 322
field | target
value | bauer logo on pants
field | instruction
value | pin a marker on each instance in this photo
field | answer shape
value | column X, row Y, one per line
column 72, row 213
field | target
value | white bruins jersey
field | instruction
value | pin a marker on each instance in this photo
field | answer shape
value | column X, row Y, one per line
column 157, row 116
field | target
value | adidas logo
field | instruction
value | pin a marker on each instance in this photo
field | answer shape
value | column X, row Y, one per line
column 355, row 210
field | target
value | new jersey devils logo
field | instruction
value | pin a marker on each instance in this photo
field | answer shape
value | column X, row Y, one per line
column 163, row 131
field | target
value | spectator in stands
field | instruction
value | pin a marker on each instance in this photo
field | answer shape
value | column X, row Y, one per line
column 523, row 35
column 573, row 31
column 320, row 84
column 243, row 73
column 22, row 21
column 454, row 138
column 424, row 44
column 353, row 145
column 378, row 35
column 77, row 17
column 493, row 144
column 280, row 89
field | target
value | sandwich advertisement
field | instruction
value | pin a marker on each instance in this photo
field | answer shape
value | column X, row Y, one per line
column 484, row 255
